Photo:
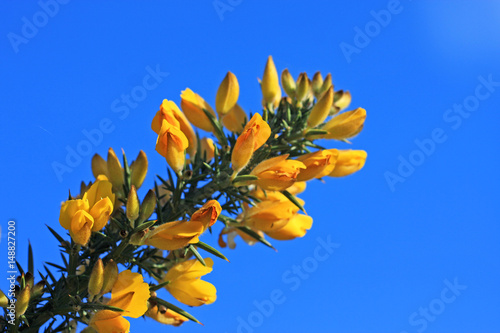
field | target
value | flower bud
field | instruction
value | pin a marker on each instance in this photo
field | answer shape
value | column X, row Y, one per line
column 270, row 85
column 171, row 144
column 317, row 83
column 115, row 170
column 343, row 100
column 99, row 166
column 254, row 135
column 22, row 301
column 37, row 289
column 132, row 205
column 193, row 104
column 96, row 279
column 235, row 119
column 147, row 207
column 139, row 169
column 110, row 276
column 327, row 83
column 207, row 148
column 227, row 94
column 4, row 301
column 348, row 162
column 288, row 83
column 321, row 109
column 345, row 125
column 303, row 87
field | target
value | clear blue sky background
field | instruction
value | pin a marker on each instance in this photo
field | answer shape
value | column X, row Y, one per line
column 402, row 240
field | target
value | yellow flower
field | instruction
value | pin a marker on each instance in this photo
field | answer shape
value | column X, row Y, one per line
column 270, row 84
column 297, row 187
column 254, row 135
column 171, row 144
column 166, row 316
column 235, row 119
column 170, row 112
column 227, row 94
column 318, row 164
column 192, row 104
column 345, row 125
column 185, row 283
column 207, row 148
column 348, row 162
column 277, row 173
column 130, row 293
column 174, row 235
column 91, row 213
column 297, row 226
column 269, row 215
column 321, row 109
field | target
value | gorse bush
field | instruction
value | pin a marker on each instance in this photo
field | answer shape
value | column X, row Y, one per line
column 246, row 174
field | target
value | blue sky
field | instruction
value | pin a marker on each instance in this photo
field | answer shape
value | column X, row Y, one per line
column 413, row 238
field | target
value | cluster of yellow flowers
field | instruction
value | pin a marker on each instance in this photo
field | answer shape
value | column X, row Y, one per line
column 252, row 168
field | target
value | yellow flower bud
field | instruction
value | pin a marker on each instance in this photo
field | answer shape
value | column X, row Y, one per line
column 22, row 301
column 207, row 214
column 254, row 135
column 147, row 207
column 4, row 301
column 343, row 101
column 139, row 169
column 110, row 275
column 317, row 84
column 96, row 279
column 115, row 171
column 321, row 109
column 37, row 289
column 277, row 173
column 288, row 83
column 348, row 162
column 270, row 85
column 99, row 166
column 303, row 87
column 235, row 119
column 132, row 206
column 207, row 148
column 192, row 104
column 297, row 226
column 318, row 164
column 171, row 144
column 227, row 94
column 345, row 125
column 185, row 283
column 327, row 83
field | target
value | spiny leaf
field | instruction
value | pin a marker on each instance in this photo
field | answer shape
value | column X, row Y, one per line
column 197, row 254
column 255, row 235
column 177, row 310
column 294, row 200
column 143, row 226
column 211, row 250
column 158, row 286
column 56, row 235
column 31, row 265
